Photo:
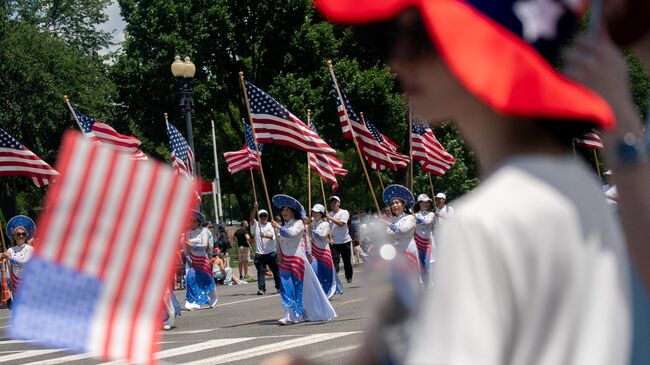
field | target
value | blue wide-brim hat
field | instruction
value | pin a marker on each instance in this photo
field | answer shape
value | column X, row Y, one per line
column 400, row 192
column 282, row 200
column 198, row 215
column 21, row 221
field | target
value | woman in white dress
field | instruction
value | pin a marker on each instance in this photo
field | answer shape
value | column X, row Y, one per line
column 200, row 287
column 424, row 221
column 301, row 293
column 401, row 227
column 322, row 261
column 20, row 229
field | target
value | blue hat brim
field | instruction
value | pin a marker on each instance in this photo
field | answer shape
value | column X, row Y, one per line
column 400, row 192
column 198, row 215
column 21, row 221
column 282, row 200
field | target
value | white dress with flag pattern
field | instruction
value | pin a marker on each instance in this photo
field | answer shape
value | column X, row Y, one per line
column 200, row 287
column 301, row 293
column 18, row 257
column 424, row 240
column 322, row 261
column 402, row 232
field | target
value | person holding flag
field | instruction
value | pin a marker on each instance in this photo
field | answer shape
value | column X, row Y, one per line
column 301, row 293
column 199, row 284
column 21, row 230
column 322, row 262
column 424, row 221
column 401, row 227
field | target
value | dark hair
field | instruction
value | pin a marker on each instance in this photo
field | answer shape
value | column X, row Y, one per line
column 406, row 209
column 416, row 207
column 296, row 215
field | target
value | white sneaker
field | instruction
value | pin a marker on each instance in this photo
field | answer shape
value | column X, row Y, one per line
column 243, row 282
column 297, row 319
column 167, row 327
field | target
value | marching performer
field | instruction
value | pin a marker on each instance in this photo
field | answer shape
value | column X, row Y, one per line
column 301, row 293
column 401, row 227
column 20, row 229
column 424, row 221
column 322, row 262
column 200, row 286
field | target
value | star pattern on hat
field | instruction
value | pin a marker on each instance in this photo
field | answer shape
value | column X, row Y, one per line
column 539, row 18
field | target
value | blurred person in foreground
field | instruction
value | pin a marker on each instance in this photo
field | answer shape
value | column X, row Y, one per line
column 542, row 277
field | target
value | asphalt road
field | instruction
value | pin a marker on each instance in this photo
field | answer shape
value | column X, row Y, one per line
column 242, row 329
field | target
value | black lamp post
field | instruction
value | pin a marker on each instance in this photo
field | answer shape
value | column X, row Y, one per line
column 184, row 73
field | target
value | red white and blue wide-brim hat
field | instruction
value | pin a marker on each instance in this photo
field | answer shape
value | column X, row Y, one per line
column 400, row 192
column 495, row 48
column 21, row 221
column 282, row 200
column 198, row 216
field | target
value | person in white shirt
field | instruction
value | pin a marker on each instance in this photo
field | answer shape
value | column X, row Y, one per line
column 424, row 220
column 322, row 262
column 401, row 228
column 341, row 237
column 265, row 249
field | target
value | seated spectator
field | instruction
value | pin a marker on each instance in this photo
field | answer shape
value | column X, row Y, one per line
column 222, row 272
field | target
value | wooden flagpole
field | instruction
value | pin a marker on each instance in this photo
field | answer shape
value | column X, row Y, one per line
column 411, row 146
column 433, row 194
column 308, row 169
column 67, row 102
column 259, row 155
column 354, row 137
column 322, row 189
column 380, row 181
column 597, row 164
column 253, row 182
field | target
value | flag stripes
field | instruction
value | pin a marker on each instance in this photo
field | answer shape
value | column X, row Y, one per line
column 17, row 160
column 100, row 132
column 103, row 218
column 590, row 141
column 425, row 147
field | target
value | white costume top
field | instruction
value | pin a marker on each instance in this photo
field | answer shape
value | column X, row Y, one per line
column 290, row 238
column 340, row 234
column 405, row 229
column 18, row 257
column 321, row 229
column 264, row 246
column 541, row 279
column 425, row 229
column 199, row 252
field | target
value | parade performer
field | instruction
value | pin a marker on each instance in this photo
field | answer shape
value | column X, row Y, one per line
column 424, row 220
column 200, row 287
column 322, row 262
column 301, row 293
column 401, row 228
column 20, row 229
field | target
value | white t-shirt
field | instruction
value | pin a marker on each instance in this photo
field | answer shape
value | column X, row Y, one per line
column 340, row 234
column 540, row 278
column 264, row 246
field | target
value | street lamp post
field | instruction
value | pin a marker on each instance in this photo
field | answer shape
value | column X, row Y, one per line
column 184, row 73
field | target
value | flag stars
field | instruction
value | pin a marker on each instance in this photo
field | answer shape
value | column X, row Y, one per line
column 539, row 18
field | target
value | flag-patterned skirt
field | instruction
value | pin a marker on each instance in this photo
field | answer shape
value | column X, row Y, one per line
column 300, row 290
column 323, row 266
column 199, row 284
column 425, row 247
column 412, row 257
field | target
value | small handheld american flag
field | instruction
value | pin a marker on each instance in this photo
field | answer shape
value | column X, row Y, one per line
column 92, row 285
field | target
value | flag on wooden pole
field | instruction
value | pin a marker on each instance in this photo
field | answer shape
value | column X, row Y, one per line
column 18, row 160
column 92, row 285
column 246, row 158
column 326, row 166
column 425, row 146
column 590, row 141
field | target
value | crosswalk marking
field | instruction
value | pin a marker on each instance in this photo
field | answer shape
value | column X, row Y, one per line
column 270, row 348
column 61, row 360
column 28, row 353
column 335, row 351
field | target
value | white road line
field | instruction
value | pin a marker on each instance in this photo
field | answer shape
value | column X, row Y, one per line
column 61, row 360
column 1, row 327
column 28, row 353
column 5, row 317
column 270, row 348
column 247, row 300
column 333, row 351
column 190, row 332
column 11, row 342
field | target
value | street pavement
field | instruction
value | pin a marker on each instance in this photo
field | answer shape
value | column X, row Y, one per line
column 241, row 329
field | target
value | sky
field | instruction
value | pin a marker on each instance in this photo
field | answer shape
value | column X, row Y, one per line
column 115, row 25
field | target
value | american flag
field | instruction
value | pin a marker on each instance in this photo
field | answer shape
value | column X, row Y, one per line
column 590, row 140
column 104, row 133
column 425, row 147
column 375, row 153
column 326, row 166
column 273, row 123
column 16, row 159
column 246, row 158
column 399, row 159
column 103, row 218
column 182, row 155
